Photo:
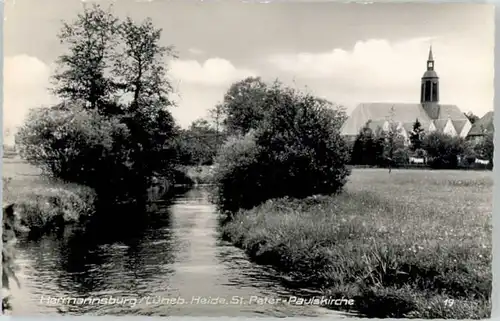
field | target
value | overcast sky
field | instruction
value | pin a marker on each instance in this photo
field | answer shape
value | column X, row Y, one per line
column 347, row 53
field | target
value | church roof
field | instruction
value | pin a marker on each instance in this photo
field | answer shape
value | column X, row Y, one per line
column 403, row 112
column 408, row 126
column 482, row 124
column 375, row 124
column 430, row 74
column 450, row 111
column 459, row 124
column 440, row 124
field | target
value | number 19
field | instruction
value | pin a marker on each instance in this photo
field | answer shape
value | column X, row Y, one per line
column 449, row 302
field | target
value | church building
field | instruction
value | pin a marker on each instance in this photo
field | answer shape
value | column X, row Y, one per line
column 432, row 115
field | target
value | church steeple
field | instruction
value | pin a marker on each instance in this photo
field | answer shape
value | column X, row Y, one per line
column 430, row 60
column 429, row 94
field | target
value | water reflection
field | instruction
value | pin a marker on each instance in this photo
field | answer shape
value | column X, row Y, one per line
column 175, row 253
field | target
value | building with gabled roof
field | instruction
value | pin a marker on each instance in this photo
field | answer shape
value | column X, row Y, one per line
column 482, row 127
column 432, row 115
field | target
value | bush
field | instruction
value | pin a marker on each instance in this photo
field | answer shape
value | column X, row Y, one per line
column 52, row 208
column 401, row 157
column 297, row 151
column 44, row 204
column 237, row 173
column 76, row 145
column 198, row 144
column 443, row 150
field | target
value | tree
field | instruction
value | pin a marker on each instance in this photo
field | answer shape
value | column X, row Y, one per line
column 472, row 118
column 296, row 150
column 243, row 106
column 83, row 72
column 393, row 140
column 94, row 138
column 198, row 144
column 364, row 148
column 301, row 144
column 140, row 64
column 485, row 148
column 443, row 149
column 217, row 118
column 139, row 70
column 416, row 136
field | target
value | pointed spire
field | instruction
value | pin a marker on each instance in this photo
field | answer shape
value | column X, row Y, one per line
column 430, row 54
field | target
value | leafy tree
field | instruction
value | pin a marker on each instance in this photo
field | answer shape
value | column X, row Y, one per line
column 485, row 148
column 393, row 140
column 140, row 72
column 364, row 148
column 217, row 118
column 301, row 142
column 140, row 64
column 198, row 144
column 83, row 72
column 77, row 145
column 243, row 106
column 443, row 150
column 416, row 136
column 114, row 145
column 296, row 151
column 472, row 118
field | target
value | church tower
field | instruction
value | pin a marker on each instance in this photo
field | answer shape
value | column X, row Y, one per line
column 429, row 92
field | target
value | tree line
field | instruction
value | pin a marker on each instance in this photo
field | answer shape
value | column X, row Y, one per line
column 386, row 148
column 240, row 112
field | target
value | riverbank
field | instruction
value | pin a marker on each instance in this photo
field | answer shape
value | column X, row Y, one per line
column 399, row 244
column 44, row 203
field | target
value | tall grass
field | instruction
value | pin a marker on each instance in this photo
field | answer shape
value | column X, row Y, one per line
column 400, row 244
column 44, row 203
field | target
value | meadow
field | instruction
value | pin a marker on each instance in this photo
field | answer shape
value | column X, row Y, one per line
column 43, row 203
column 413, row 243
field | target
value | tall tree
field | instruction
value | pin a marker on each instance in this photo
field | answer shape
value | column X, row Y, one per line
column 109, row 59
column 140, row 72
column 140, row 65
column 416, row 135
column 393, row 139
column 217, row 118
column 364, row 150
column 243, row 105
column 83, row 72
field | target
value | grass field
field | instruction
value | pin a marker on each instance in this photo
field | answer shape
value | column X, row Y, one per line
column 42, row 202
column 400, row 244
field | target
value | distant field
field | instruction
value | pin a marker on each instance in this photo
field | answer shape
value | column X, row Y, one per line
column 24, row 178
column 411, row 239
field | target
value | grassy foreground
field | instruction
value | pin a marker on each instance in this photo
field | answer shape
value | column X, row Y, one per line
column 41, row 202
column 399, row 244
